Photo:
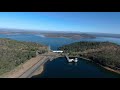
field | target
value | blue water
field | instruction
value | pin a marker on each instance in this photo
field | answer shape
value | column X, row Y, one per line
column 53, row 42
column 59, row 67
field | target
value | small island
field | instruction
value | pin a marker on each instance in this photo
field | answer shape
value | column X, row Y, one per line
column 106, row 54
column 13, row 53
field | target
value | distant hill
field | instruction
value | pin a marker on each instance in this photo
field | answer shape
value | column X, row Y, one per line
column 68, row 35
column 104, row 53
column 13, row 53
column 54, row 34
column 105, row 35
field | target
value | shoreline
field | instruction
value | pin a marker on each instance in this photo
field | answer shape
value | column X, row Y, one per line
column 105, row 67
column 16, row 72
column 39, row 71
column 69, row 37
column 28, row 65
column 110, row 69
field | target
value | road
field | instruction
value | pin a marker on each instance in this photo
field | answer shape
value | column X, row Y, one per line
column 29, row 73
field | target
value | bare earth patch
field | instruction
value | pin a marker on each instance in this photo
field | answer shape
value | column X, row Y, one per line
column 39, row 71
column 107, row 68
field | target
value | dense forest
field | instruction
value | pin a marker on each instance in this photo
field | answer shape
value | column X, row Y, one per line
column 104, row 53
column 14, row 53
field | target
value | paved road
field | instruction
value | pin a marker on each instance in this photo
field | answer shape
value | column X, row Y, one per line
column 30, row 71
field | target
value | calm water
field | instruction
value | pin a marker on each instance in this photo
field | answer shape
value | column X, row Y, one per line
column 59, row 67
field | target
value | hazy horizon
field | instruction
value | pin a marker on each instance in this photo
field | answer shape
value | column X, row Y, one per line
column 49, row 31
column 76, row 22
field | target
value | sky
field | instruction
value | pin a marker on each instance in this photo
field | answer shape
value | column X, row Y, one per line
column 102, row 22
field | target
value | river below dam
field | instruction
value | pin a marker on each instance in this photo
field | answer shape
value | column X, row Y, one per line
column 60, row 68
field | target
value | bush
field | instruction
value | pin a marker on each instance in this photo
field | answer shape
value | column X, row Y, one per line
column 13, row 53
column 104, row 53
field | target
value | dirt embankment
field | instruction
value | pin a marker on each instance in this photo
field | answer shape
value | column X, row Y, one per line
column 39, row 71
column 18, row 71
column 22, row 68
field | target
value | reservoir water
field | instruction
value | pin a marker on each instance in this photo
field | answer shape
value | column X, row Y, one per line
column 60, row 68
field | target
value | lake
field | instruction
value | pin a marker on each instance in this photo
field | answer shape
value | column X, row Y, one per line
column 60, row 68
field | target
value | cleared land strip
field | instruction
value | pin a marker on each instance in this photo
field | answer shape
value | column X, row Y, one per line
column 27, row 69
column 30, row 71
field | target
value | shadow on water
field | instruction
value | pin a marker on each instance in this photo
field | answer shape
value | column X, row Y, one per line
column 71, row 64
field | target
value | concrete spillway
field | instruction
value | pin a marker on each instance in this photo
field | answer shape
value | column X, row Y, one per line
column 71, row 60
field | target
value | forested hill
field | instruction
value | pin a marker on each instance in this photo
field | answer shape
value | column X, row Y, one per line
column 104, row 53
column 13, row 53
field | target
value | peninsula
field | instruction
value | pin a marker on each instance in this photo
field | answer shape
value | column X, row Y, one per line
column 51, row 34
column 106, row 54
column 68, row 35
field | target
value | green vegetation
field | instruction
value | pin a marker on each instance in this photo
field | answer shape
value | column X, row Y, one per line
column 104, row 53
column 14, row 53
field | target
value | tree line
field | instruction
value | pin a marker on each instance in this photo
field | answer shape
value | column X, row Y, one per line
column 104, row 53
